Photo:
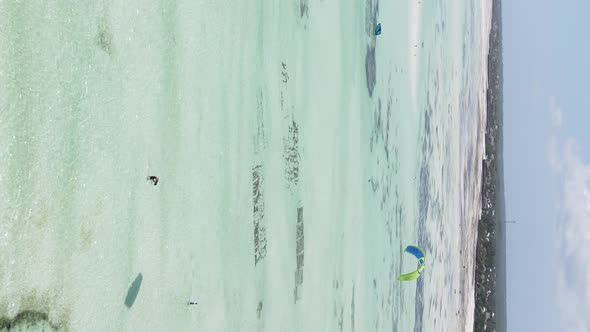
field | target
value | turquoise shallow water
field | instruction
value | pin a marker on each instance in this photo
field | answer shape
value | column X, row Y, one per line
column 298, row 155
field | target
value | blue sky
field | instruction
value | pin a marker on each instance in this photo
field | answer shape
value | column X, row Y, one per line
column 547, row 164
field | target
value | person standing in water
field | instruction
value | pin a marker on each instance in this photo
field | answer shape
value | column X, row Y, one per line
column 154, row 179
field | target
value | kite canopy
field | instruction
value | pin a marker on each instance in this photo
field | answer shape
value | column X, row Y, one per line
column 419, row 254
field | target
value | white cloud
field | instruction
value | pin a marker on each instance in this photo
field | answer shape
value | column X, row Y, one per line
column 573, row 238
column 553, row 153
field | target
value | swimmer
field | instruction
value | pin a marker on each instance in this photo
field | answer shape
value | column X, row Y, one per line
column 154, row 179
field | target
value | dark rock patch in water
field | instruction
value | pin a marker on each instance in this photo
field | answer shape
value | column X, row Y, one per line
column 259, row 309
column 371, row 13
column 258, row 214
column 104, row 36
column 303, row 8
column 370, row 69
column 29, row 320
column 299, row 253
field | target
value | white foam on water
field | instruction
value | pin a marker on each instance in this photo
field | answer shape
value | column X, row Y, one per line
column 414, row 27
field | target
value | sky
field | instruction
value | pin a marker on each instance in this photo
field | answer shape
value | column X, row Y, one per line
column 547, row 164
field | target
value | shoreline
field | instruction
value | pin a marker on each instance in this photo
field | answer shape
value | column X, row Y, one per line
column 490, row 262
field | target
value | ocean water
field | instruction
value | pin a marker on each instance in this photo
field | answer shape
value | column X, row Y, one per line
column 298, row 154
